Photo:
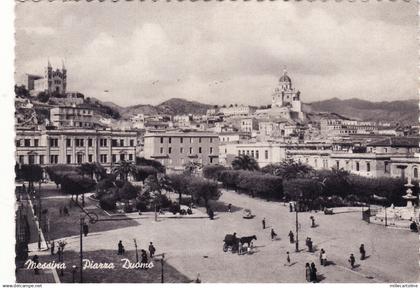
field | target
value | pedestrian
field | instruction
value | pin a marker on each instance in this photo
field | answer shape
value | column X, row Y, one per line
column 352, row 260
column 240, row 247
column 250, row 248
column 52, row 247
column 313, row 273
column 413, row 227
column 308, row 272
column 60, row 254
column 230, row 208
column 85, row 229
column 324, row 259
column 35, row 259
column 211, row 214
column 362, row 252
column 288, row 258
column 66, row 211
column 60, row 210
column 291, row 237
column 273, row 234
column 313, row 221
column 263, row 223
column 144, row 257
column 290, row 207
column 320, row 256
column 152, row 250
column 197, row 280
column 309, row 243
column 120, row 248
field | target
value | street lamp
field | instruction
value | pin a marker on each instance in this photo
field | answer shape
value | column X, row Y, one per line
column 297, row 207
column 82, row 222
column 73, row 272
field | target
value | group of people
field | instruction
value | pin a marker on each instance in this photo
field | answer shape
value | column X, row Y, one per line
column 63, row 211
column 310, row 272
column 143, row 253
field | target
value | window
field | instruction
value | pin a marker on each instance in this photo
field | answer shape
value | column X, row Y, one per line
column 191, row 150
column 53, row 159
column 316, row 163
column 385, row 150
column 169, row 140
column 68, row 142
column 386, row 167
column 211, row 150
column 252, row 153
column 368, row 167
column 54, row 142
column 122, row 157
column 130, row 157
column 103, row 158
column 21, row 159
column 68, row 160
column 131, row 142
column 161, row 139
column 239, row 152
column 27, row 142
column 181, row 140
column 114, row 158
column 170, row 150
column 121, row 142
column 114, row 143
column 17, row 143
column 211, row 140
column 266, row 154
column 161, row 150
column 415, row 172
column 181, row 150
column 337, row 164
column 247, row 152
column 357, row 166
column 199, row 150
column 199, row 140
column 79, row 158
column 90, row 142
column 90, row 158
column 211, row 159
column 31, row 159
column 36, row 142
column 257, row 154
column 191, row 140
column 41, row 159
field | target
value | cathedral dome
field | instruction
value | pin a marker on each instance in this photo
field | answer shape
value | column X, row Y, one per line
column 285, row 78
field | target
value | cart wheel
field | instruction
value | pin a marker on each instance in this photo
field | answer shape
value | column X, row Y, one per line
column 225, row 248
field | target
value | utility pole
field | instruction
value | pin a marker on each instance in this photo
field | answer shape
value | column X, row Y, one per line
column 82, row 220
column 297, row 228
column 161, row 271
column 137, row 252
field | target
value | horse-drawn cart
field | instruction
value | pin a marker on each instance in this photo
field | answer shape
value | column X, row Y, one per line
column 231, row 242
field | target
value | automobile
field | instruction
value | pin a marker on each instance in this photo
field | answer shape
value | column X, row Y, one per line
column 328, row 211
column 248, row 214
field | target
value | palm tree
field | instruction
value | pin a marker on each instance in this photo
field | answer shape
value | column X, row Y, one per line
column 124, row 168
column 245, row 162
column 290, row 169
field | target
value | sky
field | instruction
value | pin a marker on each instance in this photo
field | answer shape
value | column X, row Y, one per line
column 222, row 52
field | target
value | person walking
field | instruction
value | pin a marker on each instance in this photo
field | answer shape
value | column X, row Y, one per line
column 362, row 252
column 120, row 248
column 52, row 247
column 290, row 207
column 263, row 223
column 324, row 259
column 240, row 248
column 35, row 259
column 312, row 221
column 152, row 250
column 352, row 260
column 85, row 229
column 309, row 243
column 230, row 208
column 313, row 276
column 291, row 237
column 288, row 258
column 144, row 257
column 273, row 234
column 320, row 256
column 308, row 272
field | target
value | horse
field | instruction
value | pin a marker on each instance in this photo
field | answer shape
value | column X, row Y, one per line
column 247, row 239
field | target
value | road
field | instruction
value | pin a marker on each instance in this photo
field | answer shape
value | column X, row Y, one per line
column 195, row 245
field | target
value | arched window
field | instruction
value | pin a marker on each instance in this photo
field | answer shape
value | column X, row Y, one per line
column 415, row 172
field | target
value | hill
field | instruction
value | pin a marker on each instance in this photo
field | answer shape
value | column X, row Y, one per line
column 404, row 111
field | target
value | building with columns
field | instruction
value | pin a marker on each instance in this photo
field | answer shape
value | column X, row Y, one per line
column 75, row 146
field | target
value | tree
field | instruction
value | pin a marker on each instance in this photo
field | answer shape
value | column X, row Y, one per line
column 213, row 171
column 290, row 169
column 245, row 162
column 21, row 91
column 92, row 169
column 31, row 173
column 127, row 193
column 124, row 168
column 43, row 97
column 141, row 161
column 142, row 172
column 202, row 189
column 192, row 167
column 77, row 184
column 179, row 183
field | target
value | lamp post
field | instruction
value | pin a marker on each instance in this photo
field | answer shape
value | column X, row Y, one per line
column 297, row 228
column 82, row 222
column 161, row 271
column 73, row 272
